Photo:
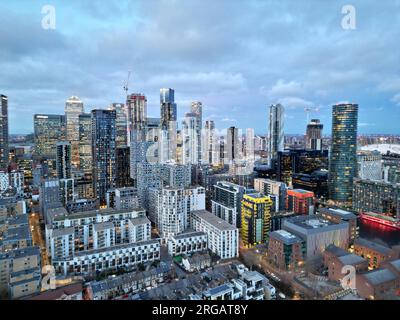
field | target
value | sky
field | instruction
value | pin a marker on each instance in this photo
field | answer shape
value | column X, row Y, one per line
column 237, row 57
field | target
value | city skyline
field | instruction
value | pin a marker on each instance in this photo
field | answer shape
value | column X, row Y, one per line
column 95, row 44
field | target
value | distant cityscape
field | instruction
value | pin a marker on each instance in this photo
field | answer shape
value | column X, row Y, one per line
column 113, row 204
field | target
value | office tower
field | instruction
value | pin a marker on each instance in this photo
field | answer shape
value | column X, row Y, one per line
column 73, row 108
column 222, row 237
column 249, row 144
column 232, row 151
column 121, row 124
column 123, row 177
column 377, row 197
column 275, row 132
column 4, row 151
column 226, row 202
column 190, row 139
column 256, row 218
column 275, row 188
column 314, row 135
column 103, row 152
column 316, row 182
column 370, row 165
column 85, row 144
column 63, row 161
column 197, row 109
column 168, row 124
column 48, row 130
column 343, row 153
column 170, row 208
column 209, row 144
column 300, row 201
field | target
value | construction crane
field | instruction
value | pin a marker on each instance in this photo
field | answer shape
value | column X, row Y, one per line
column 308, row 110
column 126, row 85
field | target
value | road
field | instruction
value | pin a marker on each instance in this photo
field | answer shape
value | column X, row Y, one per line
column 38, row 237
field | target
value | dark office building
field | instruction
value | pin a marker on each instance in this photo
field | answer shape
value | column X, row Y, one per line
column 63, row 161
column 103, row 152
column 48, row 130
column 123, row 178
column 3, row 132
column 316, row 182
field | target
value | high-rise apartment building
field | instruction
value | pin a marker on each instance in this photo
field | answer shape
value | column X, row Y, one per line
column 343, row 153
column 168, row 124
column 197, row 109
column 123, row 177
column 85, row 144
column 190, row 139
column 256, row 218
column 4, row 148
column 226, row 202
column 210, row 152
column 233, row 149
column 275, row 131
column 314, row 135
column 121, row 124
column 63, row 161
column 370, row 165
column 275, row 188
column 48, row 130
column 104, row 152
column 73, row 108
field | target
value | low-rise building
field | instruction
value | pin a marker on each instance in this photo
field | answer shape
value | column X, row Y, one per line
column 339, row 215
column 375, row 284
column 336, row 265
column 286, row 251
column 375, row 253
column 196, row 262
column 187, row 242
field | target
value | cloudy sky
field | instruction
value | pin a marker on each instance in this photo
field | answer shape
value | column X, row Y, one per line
column 235, row 56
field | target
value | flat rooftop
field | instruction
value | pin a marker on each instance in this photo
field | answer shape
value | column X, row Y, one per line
column 139, row 221
column 338, row 213
column 351, row 259
column 372, row 245
column 212, row 219
column 189, row 233
column 380, row 276
column 285, row 236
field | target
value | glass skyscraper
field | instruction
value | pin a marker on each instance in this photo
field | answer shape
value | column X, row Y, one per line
column 48, row 130
column 343, row 155
column 3, row 131
column 275, row 131
column 103, row 152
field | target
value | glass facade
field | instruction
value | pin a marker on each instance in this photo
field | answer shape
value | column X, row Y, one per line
column 343, row 155
column 48, row 130
column 4, row 131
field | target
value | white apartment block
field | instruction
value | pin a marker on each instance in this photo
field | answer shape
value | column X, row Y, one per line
column 126, row 198
column 187, row 242
column 139, row 229
column 4, row 181
column 222, row 237
column 119, row 256
column 17, row 180
column 84, row 227
column 170, row 208
column 370, row 165
column 103, row 235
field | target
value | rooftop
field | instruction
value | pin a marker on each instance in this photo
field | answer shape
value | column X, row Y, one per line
column 380, row 276
column 310, row 222
column 189, row 233
column 285, row 236
column 103, row 226
column 372, row 245
column 212, row 219
column 351, row 259
column 58, row 293
column 338, row 213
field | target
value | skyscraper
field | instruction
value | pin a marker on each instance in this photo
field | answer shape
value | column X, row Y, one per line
column 190, row 139
column 314, row 135
column 73, row 108
column 48, row 130
column 197, row 109
column 250, row 144
column 168, row 112
column 63, row 160
column 136, row 110
column 232, row 144
column 123, row 178
column 4, row 131
column 85, row 144
column 121, row 124
column 209, row 144
column 104, row 152
column 343, row 155
column 275, row 132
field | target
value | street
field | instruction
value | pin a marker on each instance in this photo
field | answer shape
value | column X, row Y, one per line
column 38, row 237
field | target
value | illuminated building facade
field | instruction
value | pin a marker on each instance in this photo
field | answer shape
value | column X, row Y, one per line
column 48, row 130
column 300, row 201
column 343, row 153
column 256, row 218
